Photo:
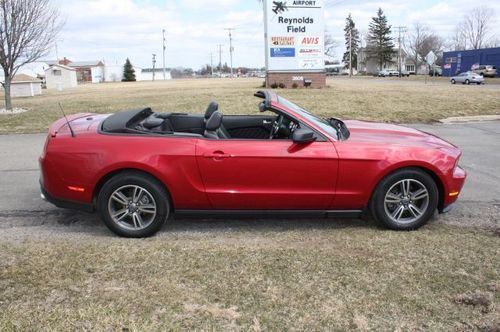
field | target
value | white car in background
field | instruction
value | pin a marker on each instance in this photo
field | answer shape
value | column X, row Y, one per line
column 467, row 78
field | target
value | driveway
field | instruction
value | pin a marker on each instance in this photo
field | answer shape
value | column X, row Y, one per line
column 478, row 205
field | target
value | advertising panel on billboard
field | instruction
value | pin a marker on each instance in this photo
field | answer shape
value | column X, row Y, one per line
column 295, row 34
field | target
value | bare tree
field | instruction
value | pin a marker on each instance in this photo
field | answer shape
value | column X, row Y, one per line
column 28, row 29
column 474, row 31
column 331, row 45
column 415, row 42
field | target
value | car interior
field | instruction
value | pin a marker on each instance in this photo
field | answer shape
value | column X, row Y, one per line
column 212, row 124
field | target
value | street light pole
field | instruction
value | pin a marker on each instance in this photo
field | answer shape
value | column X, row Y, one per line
column 154, row 62
column 230, row 49
column 164, row 48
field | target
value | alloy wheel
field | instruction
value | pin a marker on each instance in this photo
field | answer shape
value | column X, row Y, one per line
column 406, row 201
column 132, row 207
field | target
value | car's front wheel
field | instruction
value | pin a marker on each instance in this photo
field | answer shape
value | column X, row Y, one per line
column 405, row 200
column 133, row 204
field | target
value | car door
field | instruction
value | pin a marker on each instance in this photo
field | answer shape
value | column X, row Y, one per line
column 268, row 174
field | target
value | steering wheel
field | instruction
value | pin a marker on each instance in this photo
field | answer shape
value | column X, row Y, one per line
column 276, row 126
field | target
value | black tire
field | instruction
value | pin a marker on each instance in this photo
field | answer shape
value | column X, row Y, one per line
column 153, row 194
column 453, row 82
column 417, row 177
column 467, row 82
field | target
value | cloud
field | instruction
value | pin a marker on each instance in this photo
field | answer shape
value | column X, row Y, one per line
column 113, row 30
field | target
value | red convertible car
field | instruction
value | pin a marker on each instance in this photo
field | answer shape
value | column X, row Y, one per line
column 139, row 167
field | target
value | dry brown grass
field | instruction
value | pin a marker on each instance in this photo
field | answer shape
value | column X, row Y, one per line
column 389, row 100
column 238, row 275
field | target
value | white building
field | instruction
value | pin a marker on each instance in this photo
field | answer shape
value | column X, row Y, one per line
column 147, row 74
column 114, row 73
column 25, row 86
column 60, row 77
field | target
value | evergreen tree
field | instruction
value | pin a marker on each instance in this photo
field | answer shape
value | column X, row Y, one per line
column 128, row 72
column 351, row 33
column 379, row 42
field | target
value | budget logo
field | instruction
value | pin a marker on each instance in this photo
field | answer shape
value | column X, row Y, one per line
column 283, row 41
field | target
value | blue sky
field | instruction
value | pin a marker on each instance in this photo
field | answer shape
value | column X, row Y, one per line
column 112, row 30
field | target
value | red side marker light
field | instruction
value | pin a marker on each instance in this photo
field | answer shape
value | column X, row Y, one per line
column 77, row 189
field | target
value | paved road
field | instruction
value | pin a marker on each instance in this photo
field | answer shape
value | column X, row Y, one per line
column 479, row 202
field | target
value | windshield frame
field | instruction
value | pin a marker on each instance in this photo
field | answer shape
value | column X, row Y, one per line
column 323, row 124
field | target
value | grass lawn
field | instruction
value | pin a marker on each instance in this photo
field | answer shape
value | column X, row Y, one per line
column 389, row 100
column 254, row 275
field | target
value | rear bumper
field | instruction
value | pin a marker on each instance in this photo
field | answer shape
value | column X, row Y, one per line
column 65, row 204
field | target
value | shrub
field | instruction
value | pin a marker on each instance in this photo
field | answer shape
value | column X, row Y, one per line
column 274, row 85
column 295, row 85
column 282, row 85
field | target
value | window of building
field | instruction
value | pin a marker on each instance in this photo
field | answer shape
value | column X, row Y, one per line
column 57, row 72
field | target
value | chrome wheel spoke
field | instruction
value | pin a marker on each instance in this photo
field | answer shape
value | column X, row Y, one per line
column 119, row 215
column 398, row 212
column 414, row 210
column 392, row 198
column 149, row 208
column 137, row 194
column 120, row 197
column 422, row 193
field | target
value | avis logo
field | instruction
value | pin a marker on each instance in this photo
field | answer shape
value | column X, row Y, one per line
column 310, row 41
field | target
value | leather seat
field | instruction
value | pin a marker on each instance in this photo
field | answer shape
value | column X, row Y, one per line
column 212, row 107
column 214, row 128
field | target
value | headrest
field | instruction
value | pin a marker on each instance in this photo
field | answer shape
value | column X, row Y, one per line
column 212, row 107
column 214, row 122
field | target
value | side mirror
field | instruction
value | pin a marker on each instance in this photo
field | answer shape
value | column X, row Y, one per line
column 302, row 136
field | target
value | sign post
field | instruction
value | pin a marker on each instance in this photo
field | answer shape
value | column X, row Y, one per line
column 430, row 58
column 294, row 43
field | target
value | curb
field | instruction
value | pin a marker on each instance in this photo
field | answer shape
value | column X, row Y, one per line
column 459, row 119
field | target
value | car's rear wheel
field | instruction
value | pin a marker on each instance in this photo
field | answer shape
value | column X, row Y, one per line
column 453, row 81
column 467, row 82
column 133, row 204
column 405, row 200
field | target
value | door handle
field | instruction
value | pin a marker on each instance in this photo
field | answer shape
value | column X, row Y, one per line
column 217, row 155
column 267, row 122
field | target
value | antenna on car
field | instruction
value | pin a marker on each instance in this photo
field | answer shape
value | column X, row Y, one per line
column 69, row 125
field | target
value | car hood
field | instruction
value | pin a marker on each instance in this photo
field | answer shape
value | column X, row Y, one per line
column 389, row 134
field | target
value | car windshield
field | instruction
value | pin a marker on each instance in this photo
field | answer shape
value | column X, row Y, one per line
column 324, row 124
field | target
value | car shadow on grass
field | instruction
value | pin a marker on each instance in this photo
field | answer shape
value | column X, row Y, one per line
column 90, row 223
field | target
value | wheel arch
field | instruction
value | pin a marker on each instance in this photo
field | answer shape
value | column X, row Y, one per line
column 107, row 176
column 428, row 170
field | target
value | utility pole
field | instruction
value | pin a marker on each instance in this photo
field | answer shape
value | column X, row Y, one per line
column 220, row 59
column 154, row 62
column 350, row 51
column 231, row 48
column 400, row 30
column 164, row 48
column 211, row 64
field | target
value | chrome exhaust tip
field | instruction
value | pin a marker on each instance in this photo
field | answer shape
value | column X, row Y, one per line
column 42, row 196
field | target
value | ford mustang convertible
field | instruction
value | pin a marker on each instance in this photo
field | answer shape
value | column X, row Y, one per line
column 138, row 167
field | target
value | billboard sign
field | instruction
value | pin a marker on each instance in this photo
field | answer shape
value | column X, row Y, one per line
column 295, row 34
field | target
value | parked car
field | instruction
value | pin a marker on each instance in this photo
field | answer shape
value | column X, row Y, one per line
column 436, row 71
column 383, row 73
column 467, row 78
column 405, row 73
column 138, row 167
column 486, row 70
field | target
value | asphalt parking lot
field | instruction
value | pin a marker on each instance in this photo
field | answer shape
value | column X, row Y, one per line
column 478, row 205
